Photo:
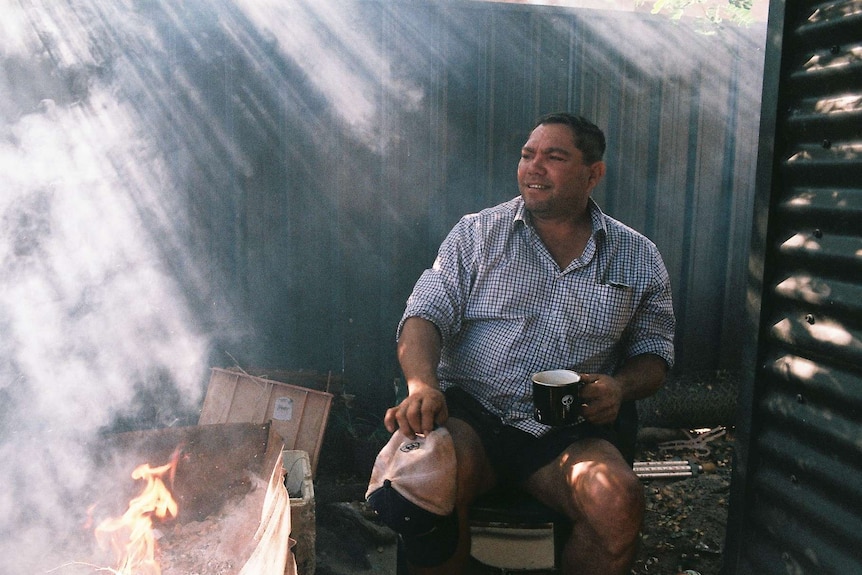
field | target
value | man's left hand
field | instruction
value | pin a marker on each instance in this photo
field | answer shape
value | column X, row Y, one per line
column 601, row 397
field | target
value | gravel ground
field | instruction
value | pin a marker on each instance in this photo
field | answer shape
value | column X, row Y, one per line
column 685, row 520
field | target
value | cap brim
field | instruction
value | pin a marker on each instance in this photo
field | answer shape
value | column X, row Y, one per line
column 427, row 539
column 434, row 547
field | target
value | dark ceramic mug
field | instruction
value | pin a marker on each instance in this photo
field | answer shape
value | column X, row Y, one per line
column 556, row 397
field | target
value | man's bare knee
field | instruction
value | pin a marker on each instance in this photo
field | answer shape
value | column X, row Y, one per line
column 604, row 492
column 614, row 510
column 601, row 494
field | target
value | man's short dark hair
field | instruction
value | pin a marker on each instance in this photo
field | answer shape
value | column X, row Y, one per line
column 589, row 138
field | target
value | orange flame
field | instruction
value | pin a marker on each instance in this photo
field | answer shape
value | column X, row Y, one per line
column 131, row 536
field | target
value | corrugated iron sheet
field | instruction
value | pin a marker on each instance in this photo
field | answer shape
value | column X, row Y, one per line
column 797, row 491
column 682, row 133
column 681, row 127
column 314, row 196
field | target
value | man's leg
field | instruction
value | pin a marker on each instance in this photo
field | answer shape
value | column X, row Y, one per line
column 593, row 485
column 474, row 477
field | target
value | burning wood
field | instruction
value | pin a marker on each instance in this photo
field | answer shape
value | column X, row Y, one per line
column 219, row 544
column 227, row 511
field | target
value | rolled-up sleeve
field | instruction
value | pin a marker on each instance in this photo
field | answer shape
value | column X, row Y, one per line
column 440, row 294
column 651, row 330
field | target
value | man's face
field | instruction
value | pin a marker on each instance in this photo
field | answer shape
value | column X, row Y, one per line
column 552, row 176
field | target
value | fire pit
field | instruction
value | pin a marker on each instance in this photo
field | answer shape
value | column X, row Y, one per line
column 205, row 500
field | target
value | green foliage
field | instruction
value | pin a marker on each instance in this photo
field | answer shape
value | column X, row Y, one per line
column 709, row 16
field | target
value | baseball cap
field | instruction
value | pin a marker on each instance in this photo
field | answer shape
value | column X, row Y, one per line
column 412, row 490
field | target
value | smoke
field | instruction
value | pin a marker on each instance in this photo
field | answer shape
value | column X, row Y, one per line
column 94, row 327
column 111, row 305
column 330, row 45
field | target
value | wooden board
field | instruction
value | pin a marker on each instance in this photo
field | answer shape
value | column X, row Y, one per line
column 297, row 414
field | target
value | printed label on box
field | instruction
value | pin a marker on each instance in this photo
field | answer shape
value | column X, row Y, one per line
column 283, row 409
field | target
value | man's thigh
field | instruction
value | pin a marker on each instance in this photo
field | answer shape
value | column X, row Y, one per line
column 566, row 483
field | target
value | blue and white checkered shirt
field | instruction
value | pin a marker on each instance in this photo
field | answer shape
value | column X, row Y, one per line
column 505, row 310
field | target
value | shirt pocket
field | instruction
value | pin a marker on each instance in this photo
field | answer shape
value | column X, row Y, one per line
column 610, row 311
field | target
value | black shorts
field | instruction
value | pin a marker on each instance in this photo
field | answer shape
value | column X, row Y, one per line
column 516, row 454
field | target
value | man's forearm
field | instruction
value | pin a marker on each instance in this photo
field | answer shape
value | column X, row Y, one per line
column 419, row 352
column 641, row 376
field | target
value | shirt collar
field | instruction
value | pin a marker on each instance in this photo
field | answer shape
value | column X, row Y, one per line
column 597, row 216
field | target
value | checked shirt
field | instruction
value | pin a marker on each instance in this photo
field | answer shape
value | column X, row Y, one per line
column 505, row 310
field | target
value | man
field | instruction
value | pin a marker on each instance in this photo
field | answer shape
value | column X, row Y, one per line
column 544, row 281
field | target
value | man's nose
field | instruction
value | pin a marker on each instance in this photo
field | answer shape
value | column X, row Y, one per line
column 536, row 165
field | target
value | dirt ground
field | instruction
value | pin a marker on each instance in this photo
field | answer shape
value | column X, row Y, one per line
column 684, row 526
column 685, row 520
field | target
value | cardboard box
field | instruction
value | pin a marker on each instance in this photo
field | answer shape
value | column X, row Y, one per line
column 300, row 488
column 298, row 414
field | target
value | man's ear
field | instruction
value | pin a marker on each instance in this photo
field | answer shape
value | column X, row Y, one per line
column 597, row 172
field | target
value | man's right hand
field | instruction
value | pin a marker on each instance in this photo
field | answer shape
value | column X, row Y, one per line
column 419, row 413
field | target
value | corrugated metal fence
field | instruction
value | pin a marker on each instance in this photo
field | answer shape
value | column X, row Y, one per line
column 680, row 110
column 797, row 492
column 313, row 154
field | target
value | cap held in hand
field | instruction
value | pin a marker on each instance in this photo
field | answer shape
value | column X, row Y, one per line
column 413, row 489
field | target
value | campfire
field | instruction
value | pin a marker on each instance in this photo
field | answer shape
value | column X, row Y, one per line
column 131, row 536
column 219, row 505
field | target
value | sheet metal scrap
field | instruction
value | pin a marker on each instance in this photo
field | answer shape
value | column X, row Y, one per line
column 696, row 442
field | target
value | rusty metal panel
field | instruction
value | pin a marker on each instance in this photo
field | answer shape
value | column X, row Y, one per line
column 796, row 493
